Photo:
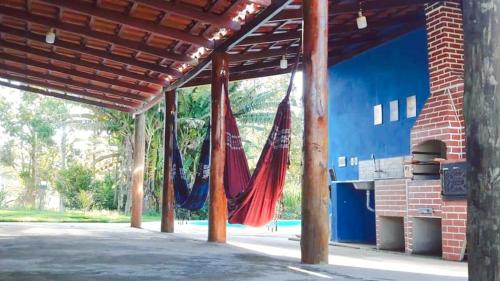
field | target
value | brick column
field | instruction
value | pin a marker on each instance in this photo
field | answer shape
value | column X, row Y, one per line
column 453, row 225
column 442, row 116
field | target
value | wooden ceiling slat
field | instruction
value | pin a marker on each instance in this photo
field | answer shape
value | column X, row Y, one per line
column 373, row 6
column 90, row 51
column 373, row 24
column 74, row 72
column 288, row 14
column 104, row 97
column 191, row 13
column 353, row 8
column 335, row 29
column 66, row 97
column 79, row 62
column 133, row 22
column 262, row 54
column 370, row 44
column 87, row 32
column 291, row 35
column 71, row 82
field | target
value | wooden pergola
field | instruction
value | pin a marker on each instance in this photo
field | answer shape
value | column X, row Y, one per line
column 128, row 55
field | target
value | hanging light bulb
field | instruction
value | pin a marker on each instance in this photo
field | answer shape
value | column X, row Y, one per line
column 283, row 62
column 50, row 37
column 361, row 20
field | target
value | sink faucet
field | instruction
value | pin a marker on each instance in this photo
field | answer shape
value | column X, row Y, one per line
column 375, row 165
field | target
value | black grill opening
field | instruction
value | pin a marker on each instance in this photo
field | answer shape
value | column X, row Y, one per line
column 426, row 159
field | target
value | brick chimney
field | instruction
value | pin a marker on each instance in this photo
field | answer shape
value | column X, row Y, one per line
column 442, row 115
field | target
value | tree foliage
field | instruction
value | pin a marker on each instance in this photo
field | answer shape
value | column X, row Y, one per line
column 32, row 123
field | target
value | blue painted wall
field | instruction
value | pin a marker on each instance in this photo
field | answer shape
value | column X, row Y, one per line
column 352, row 221
column 392, row 71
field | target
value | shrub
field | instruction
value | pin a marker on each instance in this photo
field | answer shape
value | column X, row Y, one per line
column 85, row 200
column 104, row 194
column 71, row 182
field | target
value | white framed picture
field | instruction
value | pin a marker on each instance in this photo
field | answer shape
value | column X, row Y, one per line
column 377, row 114
column 411, row 106
column 394, row 109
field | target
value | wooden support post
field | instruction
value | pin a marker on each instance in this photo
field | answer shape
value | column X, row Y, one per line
column 217, row 216
column 138, row 171
column 168, row 201
column 482, row 120
column 315, row 229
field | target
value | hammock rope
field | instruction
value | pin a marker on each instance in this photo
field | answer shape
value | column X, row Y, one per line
column 252, row 198
column 193, row 198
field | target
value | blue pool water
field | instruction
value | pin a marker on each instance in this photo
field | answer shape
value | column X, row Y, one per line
column 281, row 223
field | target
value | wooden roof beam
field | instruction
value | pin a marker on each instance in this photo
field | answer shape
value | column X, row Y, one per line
column 132, row 22
column 90, row 51
column 245, row 68
column 104, row 97
column 65, row 97
column 87, row 32
column 241, row 76
column 66, row 81
column 81, row 63
column 73, row 72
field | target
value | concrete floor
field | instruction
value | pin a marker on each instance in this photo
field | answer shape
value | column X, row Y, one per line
column 46, row 251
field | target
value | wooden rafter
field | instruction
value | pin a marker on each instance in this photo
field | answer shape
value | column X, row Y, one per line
column 65, row 88
column 95, row 34
column 66, row 97
column 89, row 51
column 133, row 22
column 73, row 72
column 80, row 63
column 70, row 82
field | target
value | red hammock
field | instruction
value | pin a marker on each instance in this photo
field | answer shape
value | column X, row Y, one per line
column 252, row 199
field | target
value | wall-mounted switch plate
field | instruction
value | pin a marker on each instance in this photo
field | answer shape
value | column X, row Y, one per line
column 342, row 161
column 353, row 161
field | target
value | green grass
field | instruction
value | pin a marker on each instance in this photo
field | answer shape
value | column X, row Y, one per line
column 33, row 215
